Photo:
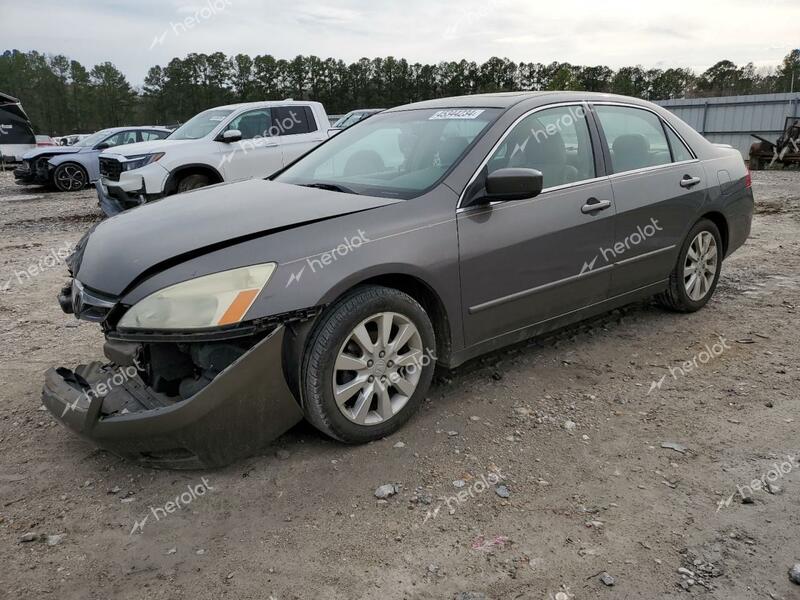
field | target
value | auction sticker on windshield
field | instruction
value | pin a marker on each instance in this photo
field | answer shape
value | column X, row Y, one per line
column 457, row 114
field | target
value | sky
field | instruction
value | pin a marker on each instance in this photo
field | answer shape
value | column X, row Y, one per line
column 137, row 34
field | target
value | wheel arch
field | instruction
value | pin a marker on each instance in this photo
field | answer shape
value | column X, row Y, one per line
column 296, row 343
column 171, row 185
column 722, row 224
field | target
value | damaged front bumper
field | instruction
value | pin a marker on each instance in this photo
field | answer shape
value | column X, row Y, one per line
column 113, row 200
column 246, row 406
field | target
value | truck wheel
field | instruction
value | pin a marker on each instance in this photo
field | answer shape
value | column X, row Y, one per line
column 70, row 177
column 368, row 364
column 192, row 182
column 695, row 276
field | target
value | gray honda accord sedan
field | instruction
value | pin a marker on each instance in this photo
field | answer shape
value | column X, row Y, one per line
column 428, row 234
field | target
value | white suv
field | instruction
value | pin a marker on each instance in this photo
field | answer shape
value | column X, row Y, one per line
column 224, row 144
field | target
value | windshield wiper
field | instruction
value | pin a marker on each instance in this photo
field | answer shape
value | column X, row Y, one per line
column 331, row 187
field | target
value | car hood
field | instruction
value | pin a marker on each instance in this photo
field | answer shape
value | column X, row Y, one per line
column 50, row 150
column 129, row 150
column 142, row 241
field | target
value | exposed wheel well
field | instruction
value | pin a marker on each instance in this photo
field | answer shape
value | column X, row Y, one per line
column 429, row 300
column 182, row 172
column 722, row 224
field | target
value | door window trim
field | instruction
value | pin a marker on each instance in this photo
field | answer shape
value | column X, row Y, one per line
column 664, row 123
column 507, row 132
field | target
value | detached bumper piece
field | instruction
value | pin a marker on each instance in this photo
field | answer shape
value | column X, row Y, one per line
column 114, row 200
column 239, row 412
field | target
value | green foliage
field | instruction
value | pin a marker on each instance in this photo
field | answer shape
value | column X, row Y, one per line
column 61, row 96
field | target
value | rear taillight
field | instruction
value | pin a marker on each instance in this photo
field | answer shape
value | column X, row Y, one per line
column 748, row 180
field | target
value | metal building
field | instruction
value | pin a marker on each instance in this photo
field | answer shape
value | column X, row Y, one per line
column 731, row 119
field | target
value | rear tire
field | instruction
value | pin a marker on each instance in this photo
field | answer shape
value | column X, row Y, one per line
column 193, row 182
column 694, row 279
column 360, row 384
column 70, row 177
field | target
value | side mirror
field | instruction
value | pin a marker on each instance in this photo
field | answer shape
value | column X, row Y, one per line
column 230, row 136
column 513, row 184
column 103, row 146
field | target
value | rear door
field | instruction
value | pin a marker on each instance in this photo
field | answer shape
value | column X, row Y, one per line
column 298, row 130
column 529, row 261
column 658, row 185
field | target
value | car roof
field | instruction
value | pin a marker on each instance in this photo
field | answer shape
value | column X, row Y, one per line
column 264, row 104
column 506, row 100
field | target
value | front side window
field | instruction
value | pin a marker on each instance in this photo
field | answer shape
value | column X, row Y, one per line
column 395, row 154
column 252, row 124
column 635, row 137
column 200, row 125
column 121, row 138
column 555, row 141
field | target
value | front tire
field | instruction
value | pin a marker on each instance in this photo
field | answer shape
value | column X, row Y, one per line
column 192, row 182
column 368, row 364
column 694, row 279
column 70, row 177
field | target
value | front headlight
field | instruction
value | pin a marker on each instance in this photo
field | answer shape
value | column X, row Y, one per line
column 141, row 160
column 210, row 301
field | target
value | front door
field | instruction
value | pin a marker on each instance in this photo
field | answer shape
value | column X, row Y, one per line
column 257, row 154
column 529, row 261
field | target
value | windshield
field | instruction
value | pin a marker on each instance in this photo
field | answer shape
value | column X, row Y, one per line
column 200, row 125
column 350, row 119
column 93, row 139
column 395, row 154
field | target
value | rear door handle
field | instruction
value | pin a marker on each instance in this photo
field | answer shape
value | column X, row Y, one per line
column 595, row 205
column 688, row 181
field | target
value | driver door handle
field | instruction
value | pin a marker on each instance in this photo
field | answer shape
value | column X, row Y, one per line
column 688, row 181
column 595, row 205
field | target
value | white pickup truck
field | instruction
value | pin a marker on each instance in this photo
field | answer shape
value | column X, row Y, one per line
column 223, row 144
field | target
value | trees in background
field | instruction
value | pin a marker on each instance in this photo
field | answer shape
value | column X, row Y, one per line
column 62, row 96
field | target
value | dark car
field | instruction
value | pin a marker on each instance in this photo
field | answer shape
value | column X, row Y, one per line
column 429, row 234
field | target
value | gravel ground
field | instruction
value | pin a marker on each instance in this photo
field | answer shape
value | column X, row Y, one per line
column 572, row 423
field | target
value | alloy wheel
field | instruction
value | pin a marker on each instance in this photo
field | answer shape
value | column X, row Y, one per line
column 378, row 368
column 700, row 268
column 70, row 178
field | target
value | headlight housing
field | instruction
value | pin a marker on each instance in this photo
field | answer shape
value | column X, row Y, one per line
column 210, row 301
column 141, row 160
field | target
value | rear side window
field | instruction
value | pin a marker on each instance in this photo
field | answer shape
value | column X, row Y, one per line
column 293, row 120
column 555, row 141
column 679, row 150
column 635, row 137
column 149, row 136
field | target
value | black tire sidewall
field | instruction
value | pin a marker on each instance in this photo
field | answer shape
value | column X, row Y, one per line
column 347, row 314
column 700, row 226
column 183, row 182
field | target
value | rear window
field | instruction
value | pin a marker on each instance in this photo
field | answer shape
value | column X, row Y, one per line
column 293, row 120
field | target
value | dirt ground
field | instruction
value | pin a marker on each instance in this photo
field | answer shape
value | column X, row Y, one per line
column 574, row 424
